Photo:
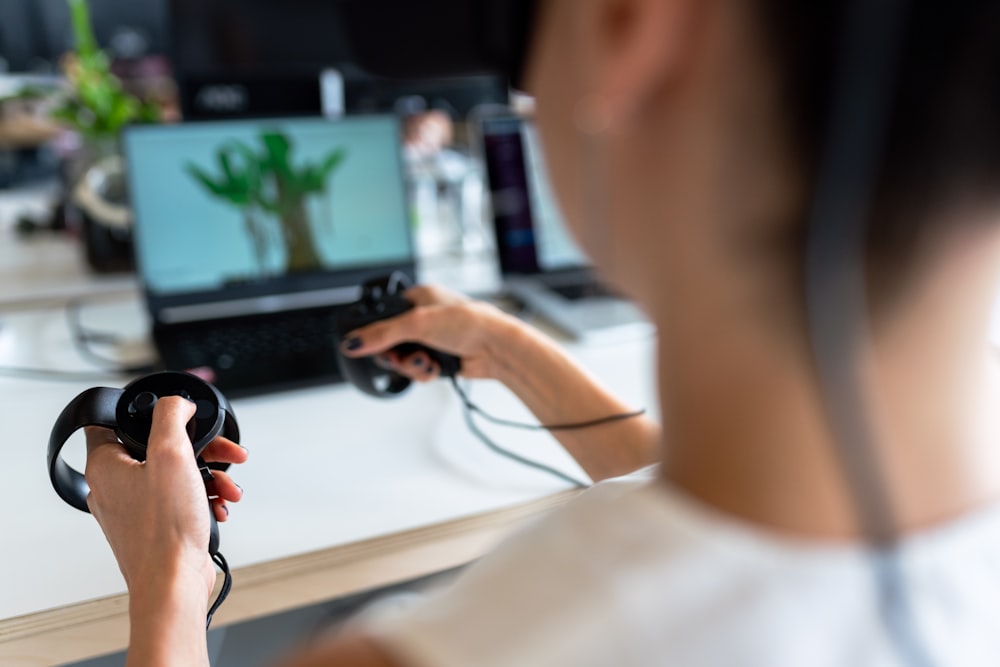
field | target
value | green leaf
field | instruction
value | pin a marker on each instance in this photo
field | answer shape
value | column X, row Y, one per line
column 278, row 148
column 248, row 178
column 314, row 179
column 332, row 161
column 218, row 188
column 148, row 113
column 103, row 105
column 83, row 33
column 224, row 163
column 123, row 111
column 66, row 114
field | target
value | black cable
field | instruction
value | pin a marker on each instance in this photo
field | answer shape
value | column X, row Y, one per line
column 621, row 416
column 83, row 340
column 517, row 457
column 469, row 408
column 227, row 584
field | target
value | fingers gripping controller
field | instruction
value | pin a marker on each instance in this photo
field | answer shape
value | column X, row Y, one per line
column 129, row 412
column 381, row 299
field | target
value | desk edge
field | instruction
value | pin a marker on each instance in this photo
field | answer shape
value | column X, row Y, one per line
column 96, row 627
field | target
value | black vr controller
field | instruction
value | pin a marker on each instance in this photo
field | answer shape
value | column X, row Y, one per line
column 382, row 298
column 129, row 412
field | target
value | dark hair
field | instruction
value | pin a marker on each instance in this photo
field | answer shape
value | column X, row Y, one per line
column 943, row 146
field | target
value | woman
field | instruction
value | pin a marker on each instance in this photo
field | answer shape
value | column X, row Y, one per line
column 684, row 139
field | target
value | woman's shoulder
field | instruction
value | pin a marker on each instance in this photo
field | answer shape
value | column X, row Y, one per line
column 636, row 562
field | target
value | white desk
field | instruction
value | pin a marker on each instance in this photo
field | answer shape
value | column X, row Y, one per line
column 343, row 492
column 46, row 268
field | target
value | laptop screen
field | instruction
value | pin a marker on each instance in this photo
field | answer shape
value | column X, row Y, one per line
column 530, row 232
column 242, row 209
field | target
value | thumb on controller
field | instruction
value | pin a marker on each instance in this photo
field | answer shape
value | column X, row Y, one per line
column 169, row 433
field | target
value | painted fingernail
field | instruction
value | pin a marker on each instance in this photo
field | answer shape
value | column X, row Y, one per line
column 225, row 509
column 239, row 487
column 353, row 343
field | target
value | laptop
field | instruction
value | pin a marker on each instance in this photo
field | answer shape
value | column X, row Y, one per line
column 250, row 234
column 540, row 263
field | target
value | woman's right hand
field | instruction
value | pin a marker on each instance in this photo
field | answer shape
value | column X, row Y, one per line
column 444, row 321
column 495, row 345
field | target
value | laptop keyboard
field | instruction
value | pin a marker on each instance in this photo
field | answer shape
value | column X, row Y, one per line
column 577, row 292
column 255, row 353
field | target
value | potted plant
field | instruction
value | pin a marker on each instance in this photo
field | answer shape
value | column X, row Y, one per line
column 96, row 106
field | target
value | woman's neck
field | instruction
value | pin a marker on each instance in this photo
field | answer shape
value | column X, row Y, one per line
column 745, row 428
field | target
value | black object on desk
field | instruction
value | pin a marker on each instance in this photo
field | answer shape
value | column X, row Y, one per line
column 381, row 299
column 129, row 412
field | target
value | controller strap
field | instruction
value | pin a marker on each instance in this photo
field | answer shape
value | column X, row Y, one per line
column 94, row 407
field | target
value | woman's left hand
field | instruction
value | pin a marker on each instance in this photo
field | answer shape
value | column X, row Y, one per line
column 155, row 513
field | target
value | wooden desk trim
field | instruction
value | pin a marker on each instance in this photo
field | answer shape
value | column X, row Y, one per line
column 93, row 628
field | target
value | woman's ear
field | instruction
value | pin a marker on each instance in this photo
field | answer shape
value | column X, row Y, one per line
column 629, row 50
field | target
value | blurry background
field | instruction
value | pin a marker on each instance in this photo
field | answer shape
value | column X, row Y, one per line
column 203, row 60
column 35, row 33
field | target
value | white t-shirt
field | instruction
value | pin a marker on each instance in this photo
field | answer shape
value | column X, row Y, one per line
column 634, row 573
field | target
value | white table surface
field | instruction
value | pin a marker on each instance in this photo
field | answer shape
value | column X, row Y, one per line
column 328, row 466
column 46, row 267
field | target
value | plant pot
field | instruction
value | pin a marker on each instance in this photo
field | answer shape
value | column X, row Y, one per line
column 99, row 196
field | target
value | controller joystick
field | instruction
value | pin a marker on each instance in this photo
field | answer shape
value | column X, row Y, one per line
column 381, row 299
column 129, row 412
column 142, row 405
